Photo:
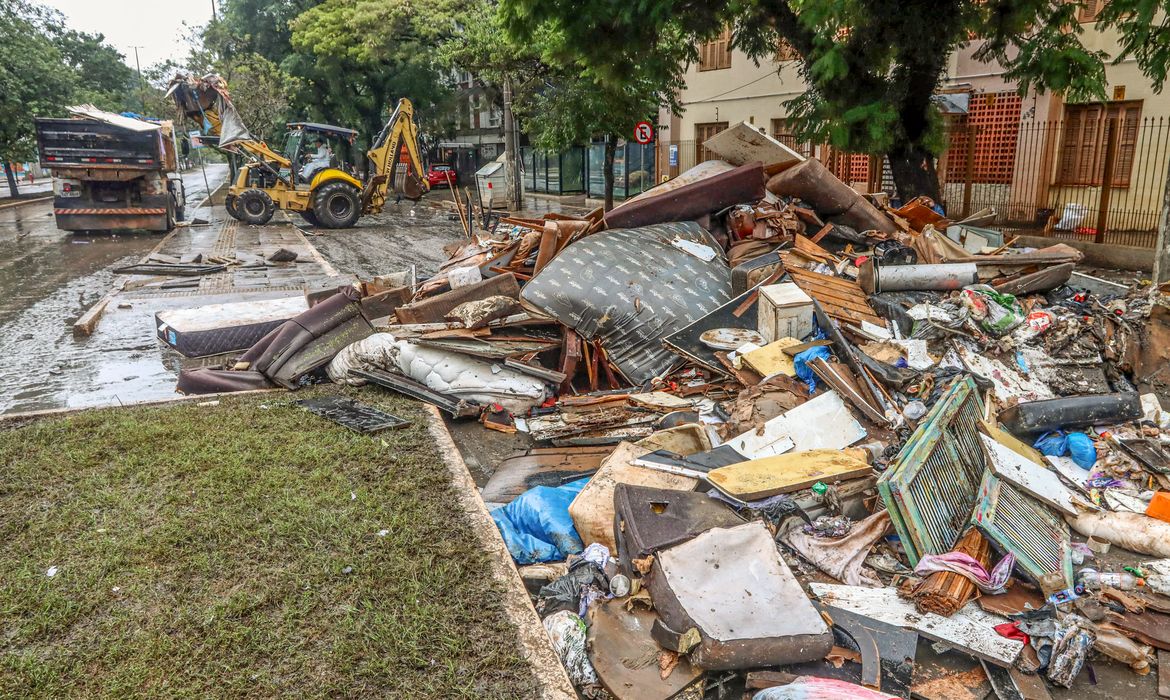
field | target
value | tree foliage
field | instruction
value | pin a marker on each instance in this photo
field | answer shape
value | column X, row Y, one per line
column 562, row 102
column 360, row 56
column 872, row 67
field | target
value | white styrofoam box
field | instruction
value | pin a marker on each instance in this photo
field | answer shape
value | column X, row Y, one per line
column 784, row 311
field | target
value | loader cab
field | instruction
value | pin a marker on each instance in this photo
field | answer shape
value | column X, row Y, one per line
column 312, row 147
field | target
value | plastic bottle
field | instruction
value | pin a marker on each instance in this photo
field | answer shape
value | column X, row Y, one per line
column 1091, row 579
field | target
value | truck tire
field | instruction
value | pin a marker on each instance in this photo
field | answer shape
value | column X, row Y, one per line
column 337, row 204
column 229, row 203
column 309, row 217
column 255, row 207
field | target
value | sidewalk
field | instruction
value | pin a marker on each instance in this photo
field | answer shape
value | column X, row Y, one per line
column 37, row 190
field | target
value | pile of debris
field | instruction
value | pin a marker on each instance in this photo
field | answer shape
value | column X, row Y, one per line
column 787, row 430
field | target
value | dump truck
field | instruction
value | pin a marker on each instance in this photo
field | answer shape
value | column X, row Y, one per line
column 314, row 174
column 111, row 172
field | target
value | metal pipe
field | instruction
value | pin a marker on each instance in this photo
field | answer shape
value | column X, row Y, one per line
column 905, row 278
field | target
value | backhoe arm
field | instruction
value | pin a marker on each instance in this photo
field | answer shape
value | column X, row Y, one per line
column 394, row 161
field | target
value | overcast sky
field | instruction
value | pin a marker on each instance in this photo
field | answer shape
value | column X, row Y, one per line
column 155, row 27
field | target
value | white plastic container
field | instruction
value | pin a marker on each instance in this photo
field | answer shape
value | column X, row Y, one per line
column 784, row 311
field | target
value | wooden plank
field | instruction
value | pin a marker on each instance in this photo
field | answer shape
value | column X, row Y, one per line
column 1163, row 674
column 1031, row 478
column 840, row 297
column 970, row 629
column 837, row 304
column 822, row 233
column 1030, row 687
column 806, row 246
column 769, row 476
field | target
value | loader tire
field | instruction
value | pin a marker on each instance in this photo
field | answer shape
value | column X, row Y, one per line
column 337, row 204
column 255, row 207
column 229, row 203
column 309, row 217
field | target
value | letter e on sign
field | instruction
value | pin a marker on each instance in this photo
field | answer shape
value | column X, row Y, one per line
column 644, row 133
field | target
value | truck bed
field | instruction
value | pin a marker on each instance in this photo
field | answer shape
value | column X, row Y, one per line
column 86, row 143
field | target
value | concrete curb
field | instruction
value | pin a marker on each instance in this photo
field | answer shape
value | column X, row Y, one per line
column 22, row 202
column 534, row 642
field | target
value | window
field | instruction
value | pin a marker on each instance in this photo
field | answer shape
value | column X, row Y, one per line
column 716, row 54
column 1082, row 152
column 786, row 52
column 495, row 117
column 702, row 133
column 1090, row 9
column 992, row 127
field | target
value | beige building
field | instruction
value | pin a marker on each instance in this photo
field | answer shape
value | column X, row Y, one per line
column 1036, row 159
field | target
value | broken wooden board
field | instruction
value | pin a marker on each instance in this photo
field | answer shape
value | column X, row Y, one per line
column 770, row 476
column 841, row 298
column 626, row 657
column 544, row 467
column 1163, row 674
column 567, row 424
column 771, row 359
column 660, row 401
column 1031, row 478
column 1030, row 687
column 970, row 629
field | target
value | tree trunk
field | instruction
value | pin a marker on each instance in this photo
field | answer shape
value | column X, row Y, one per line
column 610, row 152
column 11, row 179
column 914, row 172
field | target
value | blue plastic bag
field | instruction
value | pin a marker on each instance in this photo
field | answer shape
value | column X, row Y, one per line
column 537, row 526
column 1076, row 445
column 804, row 371
column 1082, row 450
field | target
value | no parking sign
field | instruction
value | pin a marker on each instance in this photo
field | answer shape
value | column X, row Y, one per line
column 644, row 133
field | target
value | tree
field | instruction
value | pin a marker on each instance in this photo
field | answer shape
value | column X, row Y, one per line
column 102, row 77
column 34, row 80
column 562, row 102
column 357, row 57
column 873, row 67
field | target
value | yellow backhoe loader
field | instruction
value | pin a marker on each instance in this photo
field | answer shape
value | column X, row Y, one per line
column 314, row 175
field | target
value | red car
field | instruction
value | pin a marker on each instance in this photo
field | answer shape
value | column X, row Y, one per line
column 442, row 175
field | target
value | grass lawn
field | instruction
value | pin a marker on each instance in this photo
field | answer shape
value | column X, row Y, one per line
column 249, row 549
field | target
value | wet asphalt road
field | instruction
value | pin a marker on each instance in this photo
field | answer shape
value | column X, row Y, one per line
column 49, row 278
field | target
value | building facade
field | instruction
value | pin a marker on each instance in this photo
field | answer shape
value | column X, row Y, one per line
column 1038, row 160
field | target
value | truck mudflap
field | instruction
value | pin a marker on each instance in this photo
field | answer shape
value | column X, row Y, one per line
column 72, row 215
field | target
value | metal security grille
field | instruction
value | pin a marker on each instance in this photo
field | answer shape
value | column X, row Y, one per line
column 1019, row 524
column 992, row 125
column 931, row 489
